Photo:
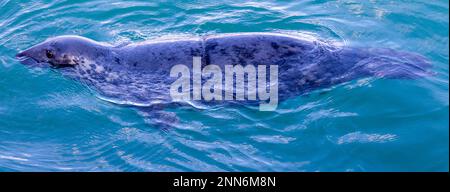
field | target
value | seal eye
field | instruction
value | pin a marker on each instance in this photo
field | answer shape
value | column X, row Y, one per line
column 49, row 54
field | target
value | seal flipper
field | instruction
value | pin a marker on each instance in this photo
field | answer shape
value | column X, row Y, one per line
column 380, row 62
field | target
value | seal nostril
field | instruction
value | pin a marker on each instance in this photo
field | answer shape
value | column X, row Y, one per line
column 21, row 54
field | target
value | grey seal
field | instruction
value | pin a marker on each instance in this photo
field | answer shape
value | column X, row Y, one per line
column 138, row 73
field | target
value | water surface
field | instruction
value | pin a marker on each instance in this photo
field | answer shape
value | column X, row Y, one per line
column 50, row 123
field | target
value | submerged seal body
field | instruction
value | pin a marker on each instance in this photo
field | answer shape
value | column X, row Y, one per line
column 138, row 73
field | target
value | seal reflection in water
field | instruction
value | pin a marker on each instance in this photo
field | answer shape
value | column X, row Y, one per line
column 139, row 74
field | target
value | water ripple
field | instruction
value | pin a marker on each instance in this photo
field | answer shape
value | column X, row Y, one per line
column 49, row 123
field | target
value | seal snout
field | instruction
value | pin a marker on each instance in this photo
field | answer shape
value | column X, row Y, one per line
column 22, row 54
column 25, row 57
column 28, row 53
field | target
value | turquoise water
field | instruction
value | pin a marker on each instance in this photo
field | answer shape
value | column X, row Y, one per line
column 50, row 123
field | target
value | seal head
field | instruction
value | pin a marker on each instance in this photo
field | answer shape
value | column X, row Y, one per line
column 58, row 52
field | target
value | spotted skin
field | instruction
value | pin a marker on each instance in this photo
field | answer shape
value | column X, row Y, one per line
column 138, row 73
